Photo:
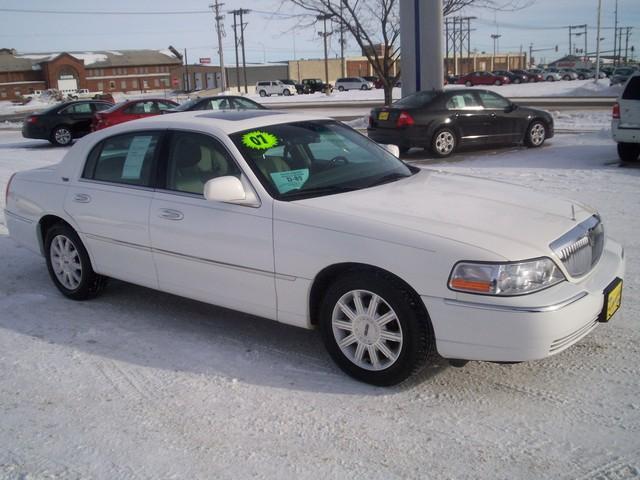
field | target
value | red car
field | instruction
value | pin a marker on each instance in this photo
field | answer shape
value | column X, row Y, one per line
column 482, row 78
column 130, row 110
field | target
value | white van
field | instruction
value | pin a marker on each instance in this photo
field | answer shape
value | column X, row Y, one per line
column 353, row 83
column 625, row 122
column 274, row 87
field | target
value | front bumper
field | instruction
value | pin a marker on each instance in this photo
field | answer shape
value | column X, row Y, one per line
column 528, row 327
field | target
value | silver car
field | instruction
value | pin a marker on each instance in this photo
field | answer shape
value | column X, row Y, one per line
column 551, row 76
column 353, row 83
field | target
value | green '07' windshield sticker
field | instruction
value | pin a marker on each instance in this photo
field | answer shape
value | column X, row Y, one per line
column 259, row 140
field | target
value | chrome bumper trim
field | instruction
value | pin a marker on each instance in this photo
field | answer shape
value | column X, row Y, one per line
column 508, row 308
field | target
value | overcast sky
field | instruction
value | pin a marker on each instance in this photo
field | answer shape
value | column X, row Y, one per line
column 271, row 36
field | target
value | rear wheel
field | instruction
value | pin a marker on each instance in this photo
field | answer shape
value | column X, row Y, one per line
column 61, row 136
column 628, row 152
column 536, row 134
column 443, row 143
column 373, row 328
column 69, row 264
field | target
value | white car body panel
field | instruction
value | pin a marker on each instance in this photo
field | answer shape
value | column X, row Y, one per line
column 626, row 129
column 264, row 259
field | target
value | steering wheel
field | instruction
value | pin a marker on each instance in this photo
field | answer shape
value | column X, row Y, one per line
column 339, row 160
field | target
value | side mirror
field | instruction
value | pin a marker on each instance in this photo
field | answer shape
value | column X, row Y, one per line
column 392, row 149
column 511, row 107
column 225, row 189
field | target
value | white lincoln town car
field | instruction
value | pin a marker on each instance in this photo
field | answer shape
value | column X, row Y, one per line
column 305, row 221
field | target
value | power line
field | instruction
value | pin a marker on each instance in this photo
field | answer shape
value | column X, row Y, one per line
column 123, row 12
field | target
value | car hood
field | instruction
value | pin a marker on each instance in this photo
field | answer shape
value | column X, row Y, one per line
column 511, row 221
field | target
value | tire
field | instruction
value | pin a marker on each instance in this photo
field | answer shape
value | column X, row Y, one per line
column 61, row 136
column 69, row 265
column 566, row 77
column 536, row 134
column 408, row 338
column 497, row 83
column 516, row 81
column 444, row 142
column 550, row 79
column 629, row 152
column 364, row 87
column 580, row 77
column 263, row 93
column 286, row 93
column 341, row 88
column 468, row 83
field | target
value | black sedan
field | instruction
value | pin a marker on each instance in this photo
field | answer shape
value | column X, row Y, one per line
column 63, row 122
column 443, row 120
column 513, row 77
column 220, row 102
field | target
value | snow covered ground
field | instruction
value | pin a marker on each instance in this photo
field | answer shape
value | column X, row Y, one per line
column 138, row 384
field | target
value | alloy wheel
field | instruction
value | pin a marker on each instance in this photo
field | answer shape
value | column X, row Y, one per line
column 367, row 330
column 66, row 262
column 445, row 142
column 537, row 133
column 62, row 136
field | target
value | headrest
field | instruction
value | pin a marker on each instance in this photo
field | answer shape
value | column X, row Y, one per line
column 188, row 154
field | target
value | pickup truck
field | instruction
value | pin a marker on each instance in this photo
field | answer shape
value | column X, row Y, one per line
column 83, row 93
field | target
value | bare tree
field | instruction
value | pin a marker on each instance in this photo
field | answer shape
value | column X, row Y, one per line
column 375, row 26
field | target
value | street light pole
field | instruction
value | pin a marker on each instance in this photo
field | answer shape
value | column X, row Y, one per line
column 598, row 43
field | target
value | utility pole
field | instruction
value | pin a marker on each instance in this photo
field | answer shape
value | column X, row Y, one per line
column 235, row 42
column 324, row 35
column 446, row 40
column 244, row 63
column 626, row 45
column 570, row 49
column 619, row 45
column 220, row 29
column 495, row 38
column 455, row 54
column 615, row 37
column 598, row 44
column 343, row 63
column 187, row 83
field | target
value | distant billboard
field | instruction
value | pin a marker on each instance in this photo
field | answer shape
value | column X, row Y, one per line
column 205, row 60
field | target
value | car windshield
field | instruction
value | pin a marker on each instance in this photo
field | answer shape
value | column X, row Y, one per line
column 417, row 99
column 623, row 71
column 188, row 104
column 314, row 158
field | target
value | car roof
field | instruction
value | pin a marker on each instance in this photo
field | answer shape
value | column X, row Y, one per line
column 225, row 121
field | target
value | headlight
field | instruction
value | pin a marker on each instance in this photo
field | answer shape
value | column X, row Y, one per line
column 505, row 279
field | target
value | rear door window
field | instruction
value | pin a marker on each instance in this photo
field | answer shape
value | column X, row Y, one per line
column 463, row 101
column 78, row 109
column 632, row 92
column 127, row 159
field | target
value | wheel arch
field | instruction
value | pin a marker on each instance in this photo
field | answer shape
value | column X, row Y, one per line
column 329, row 274
column 45, row 223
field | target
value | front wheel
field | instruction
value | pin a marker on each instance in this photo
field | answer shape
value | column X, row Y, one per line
column 536, row 134
column 468, row 83
column 263, row 93
column 364, row 87
column 628, row 152
column 69, row 265
column 550, row 79
column 341, row 88
column 374, row 329
column 443, row 143
column 286, row 93
column 516, row 81
column 497, row 83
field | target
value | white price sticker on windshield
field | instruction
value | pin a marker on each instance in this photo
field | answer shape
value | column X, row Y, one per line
column 290, row 180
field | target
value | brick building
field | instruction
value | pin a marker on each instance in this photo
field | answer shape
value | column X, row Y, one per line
column 107, row 71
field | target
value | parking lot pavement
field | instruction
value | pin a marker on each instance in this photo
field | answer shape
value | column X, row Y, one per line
column 139, row 384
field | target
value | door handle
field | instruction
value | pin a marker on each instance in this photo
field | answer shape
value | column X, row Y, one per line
column 81, row 198
column 169, row 214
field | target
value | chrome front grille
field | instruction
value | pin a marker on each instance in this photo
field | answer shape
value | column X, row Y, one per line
column 581, row 247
